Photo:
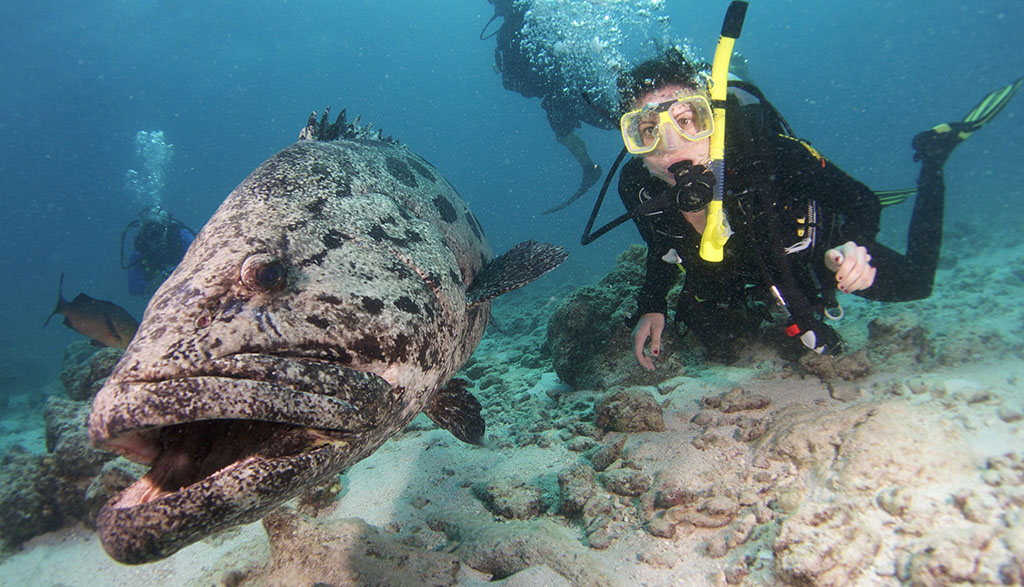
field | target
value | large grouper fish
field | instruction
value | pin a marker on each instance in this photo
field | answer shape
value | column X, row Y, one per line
column 329, row 300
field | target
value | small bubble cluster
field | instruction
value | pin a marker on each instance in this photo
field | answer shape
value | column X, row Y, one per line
column 154, row 154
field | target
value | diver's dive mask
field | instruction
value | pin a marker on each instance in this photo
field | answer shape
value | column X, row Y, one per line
column 643, row 130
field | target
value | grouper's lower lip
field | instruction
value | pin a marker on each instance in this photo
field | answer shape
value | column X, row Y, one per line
column 142, row 524
column 227, row 446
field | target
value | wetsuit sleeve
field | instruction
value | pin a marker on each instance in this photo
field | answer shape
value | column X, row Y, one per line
column 659, row 276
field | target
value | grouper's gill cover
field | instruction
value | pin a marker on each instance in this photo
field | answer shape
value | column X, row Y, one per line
column 328, row 301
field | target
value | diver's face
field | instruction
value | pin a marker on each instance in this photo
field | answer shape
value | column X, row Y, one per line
column 672, row 148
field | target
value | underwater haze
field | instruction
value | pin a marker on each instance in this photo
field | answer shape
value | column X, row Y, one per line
column 111, row 106
column 229, row 83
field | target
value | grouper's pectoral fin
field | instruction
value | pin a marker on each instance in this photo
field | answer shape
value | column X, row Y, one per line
column 520, row 265
column 457, row 411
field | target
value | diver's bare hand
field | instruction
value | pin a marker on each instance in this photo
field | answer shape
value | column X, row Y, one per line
column 650, row 326
column 852, row 266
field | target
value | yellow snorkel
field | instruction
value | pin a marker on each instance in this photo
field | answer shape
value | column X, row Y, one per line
column 717, row 231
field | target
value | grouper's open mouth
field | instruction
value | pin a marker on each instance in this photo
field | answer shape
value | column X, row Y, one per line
column 225, row 447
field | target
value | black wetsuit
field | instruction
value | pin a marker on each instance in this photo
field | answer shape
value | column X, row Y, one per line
column 777, row 190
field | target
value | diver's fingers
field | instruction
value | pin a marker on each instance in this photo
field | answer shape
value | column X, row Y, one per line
column 656, row 329
column 855, row 271
column 860, row 279
column 640, row 336
column 851, row 257
column 833, row 259
column 867, row 279
column 650, row 326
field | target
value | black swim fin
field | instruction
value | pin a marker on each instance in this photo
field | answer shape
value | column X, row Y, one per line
column 991, row 105
column 937, row 143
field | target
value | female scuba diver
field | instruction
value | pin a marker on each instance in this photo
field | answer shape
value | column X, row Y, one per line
column 798, row 228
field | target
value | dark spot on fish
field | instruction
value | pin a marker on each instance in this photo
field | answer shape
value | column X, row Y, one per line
column 216, row 343
column 429, row 312
column 445, row 208
column 405, row 304
column 333, row 239
column 318, row 321
column 401, row 347
column 316, row 259
column 454, row 277
column 369, row 348
column 427, row 357
column 420, row 169
column 483, row 260
column 401, row 171
column 316, row 207
column 474, row 225
column 379, row 234
column 329, row 299
column 373, row 305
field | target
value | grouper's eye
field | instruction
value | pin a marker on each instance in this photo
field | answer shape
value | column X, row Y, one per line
column 264, row 272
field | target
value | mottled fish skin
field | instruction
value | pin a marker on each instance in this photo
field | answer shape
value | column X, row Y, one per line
column 370, row 320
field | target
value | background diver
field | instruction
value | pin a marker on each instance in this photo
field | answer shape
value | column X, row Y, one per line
column 565, row 113
column 801, row 227
column 158, row 246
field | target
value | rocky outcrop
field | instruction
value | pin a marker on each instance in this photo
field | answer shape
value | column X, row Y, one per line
column 630, row 410
column 71, row 480
column 86, row 367
column 591, row 346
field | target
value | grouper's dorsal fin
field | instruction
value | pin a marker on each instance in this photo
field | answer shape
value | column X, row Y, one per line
column 520, row 265
column 457, row 411
column 325, row 130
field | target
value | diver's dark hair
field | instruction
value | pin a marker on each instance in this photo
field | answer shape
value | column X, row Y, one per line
column 671, row 67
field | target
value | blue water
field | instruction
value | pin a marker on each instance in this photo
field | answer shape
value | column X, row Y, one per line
column 229, row 83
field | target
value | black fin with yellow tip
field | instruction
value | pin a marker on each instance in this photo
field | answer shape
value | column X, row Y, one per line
column 938, row 142
column 991, row 105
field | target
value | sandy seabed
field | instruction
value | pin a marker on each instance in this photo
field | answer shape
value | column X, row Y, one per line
column 910, row 473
